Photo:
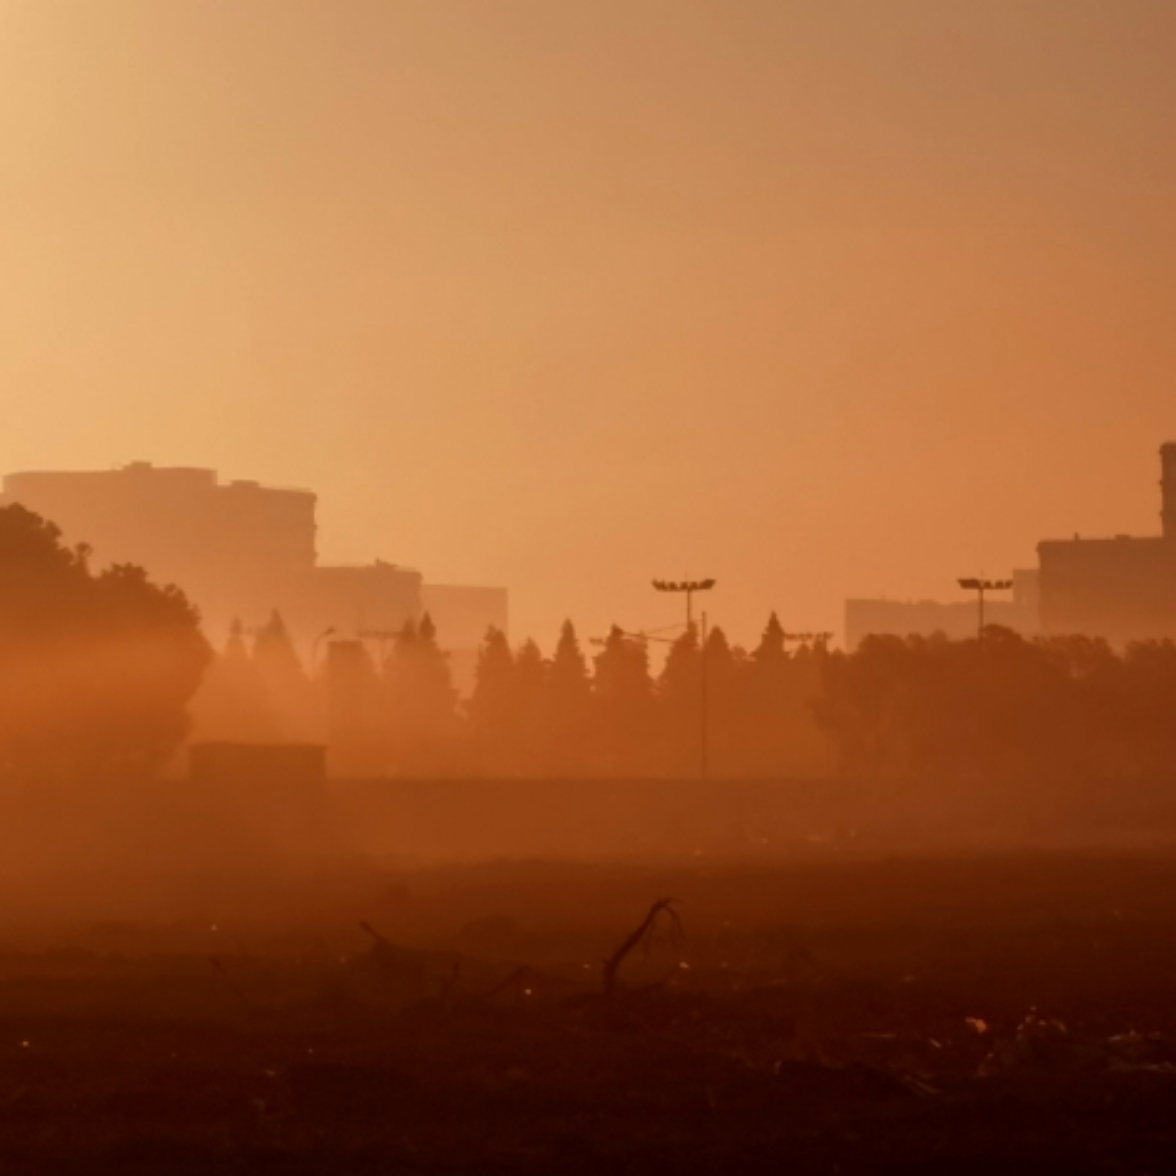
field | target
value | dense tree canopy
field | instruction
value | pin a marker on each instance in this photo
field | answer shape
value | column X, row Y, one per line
column 96, row 669
column 1002, row 709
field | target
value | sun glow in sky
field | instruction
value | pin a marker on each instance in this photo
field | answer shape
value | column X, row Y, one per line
column 821, row 298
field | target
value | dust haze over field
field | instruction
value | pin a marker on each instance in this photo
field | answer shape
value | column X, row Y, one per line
column 752, row 308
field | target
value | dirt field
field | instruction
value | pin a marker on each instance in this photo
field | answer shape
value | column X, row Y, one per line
column 988, row 1014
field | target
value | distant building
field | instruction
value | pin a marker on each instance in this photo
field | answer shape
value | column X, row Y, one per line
column 956, row 620
column 241, row 550
column 1122, row 589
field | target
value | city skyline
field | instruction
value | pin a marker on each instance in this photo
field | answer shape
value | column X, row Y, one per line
column 820, row 304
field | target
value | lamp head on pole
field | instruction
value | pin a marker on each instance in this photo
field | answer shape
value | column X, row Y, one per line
column 975, row 584
column 683, row 585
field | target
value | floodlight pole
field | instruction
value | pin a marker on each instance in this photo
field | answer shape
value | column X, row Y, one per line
column 689, row 588
column 979, row 585
column 704, row 716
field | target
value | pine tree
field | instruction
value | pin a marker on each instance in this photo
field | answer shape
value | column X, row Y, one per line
column 437, row 695
column 624, row 705
column 492, row 707
column 419, row 699
column 771, row 650
column 568, row 714
column 283, row 680
column 679, row 697
column 726, row 671
column 530, row 687
column 232, row 703
column 766, row 702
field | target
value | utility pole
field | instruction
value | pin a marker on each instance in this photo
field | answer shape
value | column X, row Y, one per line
column 980, row 586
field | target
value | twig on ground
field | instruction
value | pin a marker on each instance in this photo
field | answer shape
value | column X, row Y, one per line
column 638, row 937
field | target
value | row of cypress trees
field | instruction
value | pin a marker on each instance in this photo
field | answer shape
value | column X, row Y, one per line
column 529, row 714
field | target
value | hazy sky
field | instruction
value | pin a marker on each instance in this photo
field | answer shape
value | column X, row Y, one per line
column 820, row 297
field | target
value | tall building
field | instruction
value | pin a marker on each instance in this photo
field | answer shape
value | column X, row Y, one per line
column 239, row 550
column 1123, row 588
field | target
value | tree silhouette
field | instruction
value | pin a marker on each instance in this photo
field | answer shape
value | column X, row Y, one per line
column 492, row 707
column 283, row 680
column 96, row 670
column 568, row 711
column 726, row 677
column 679, row 696
column 419, row 698
column 437, row 697
column 625, row 708
column 231, row 702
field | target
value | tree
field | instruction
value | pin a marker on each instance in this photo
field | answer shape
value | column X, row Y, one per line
column 782, row 736
column 437, row 696
column 679, row 698
column 231, row 702
column 624, row 706
column 530, row 712
column 96, row 670
column 283, row 680
column 420, row 698
column 726, row 677
column 771, row 651
column 492, row 707
column 567, row 714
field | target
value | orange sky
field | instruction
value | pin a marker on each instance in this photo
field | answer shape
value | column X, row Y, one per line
column 822, row 298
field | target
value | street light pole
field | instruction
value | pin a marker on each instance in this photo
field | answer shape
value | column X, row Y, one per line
column 980, row 586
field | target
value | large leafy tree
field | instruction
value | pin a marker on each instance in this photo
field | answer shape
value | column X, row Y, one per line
column 96, row 669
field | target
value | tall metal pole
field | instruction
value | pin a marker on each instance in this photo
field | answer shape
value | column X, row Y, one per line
column 704, row 717
column 689, row 587
column 980, row 586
